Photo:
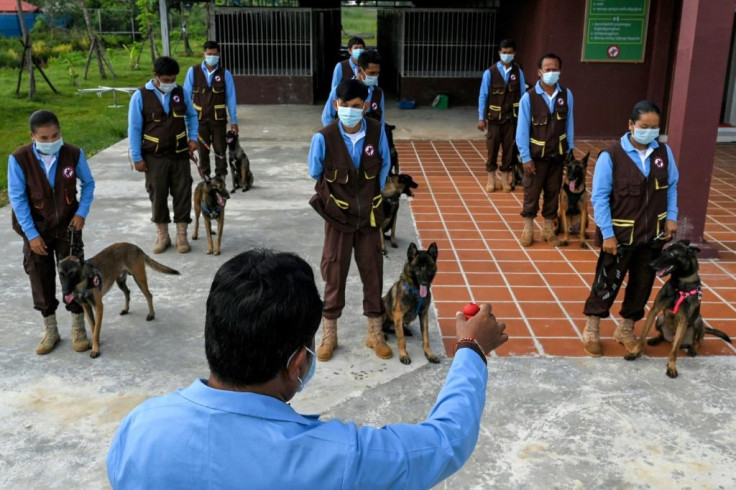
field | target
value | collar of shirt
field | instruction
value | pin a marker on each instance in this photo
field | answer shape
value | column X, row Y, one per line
column 244, row 403
column 636, row 155
column 538, row 88
column 47, row 161
column 208, row 73
column 353, row 65
column 501, row 66
column 354, row 137
column 161, row 95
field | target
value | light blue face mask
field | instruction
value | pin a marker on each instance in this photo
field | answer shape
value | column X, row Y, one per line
column 212, row 60
column 357, row 52
column 645, row 136
column 551, row 77
column 312, row 368
column 370, row 81
column 50, row 148
column 507, row 58
column 349, row 116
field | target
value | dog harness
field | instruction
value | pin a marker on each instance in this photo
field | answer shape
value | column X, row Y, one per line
column 211, row 213
column 573, row 199
column 683, row 295
column 414, row 292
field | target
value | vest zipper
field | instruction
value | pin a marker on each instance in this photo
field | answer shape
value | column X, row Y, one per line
column 56, row 211
column 357, row 195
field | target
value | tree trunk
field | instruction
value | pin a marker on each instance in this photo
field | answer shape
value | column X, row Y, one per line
column 96, row 45
column 28, row 51
column 184, row 33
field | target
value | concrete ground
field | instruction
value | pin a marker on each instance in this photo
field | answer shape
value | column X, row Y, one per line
column 548, row 423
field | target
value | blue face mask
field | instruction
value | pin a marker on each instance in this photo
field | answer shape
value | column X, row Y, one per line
column 551, row 77
column 507, row 58
column 50, row 148
column 212, row 60
column 370, row 81
column 349, row 116
column 312, row 368
column 645, row 136
column 357, row 52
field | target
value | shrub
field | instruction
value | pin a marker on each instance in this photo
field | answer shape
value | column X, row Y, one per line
column 62, row 49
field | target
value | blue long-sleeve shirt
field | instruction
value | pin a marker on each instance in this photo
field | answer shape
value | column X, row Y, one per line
column 201, row 437
column 337, row 73
column 525, row 120
column 603, row 184
column 329, row 113
column 317, row 153
column 19, row 198
column 230, row 98
column 135, row 119
column 486, row 81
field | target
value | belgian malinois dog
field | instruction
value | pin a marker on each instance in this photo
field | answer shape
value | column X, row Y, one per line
column 396, row 185
column 239, row 163
column 87, row 282
column 572, row 214
column 679, row 300
column 410, row 297
column 392, row 149
column 210, row 197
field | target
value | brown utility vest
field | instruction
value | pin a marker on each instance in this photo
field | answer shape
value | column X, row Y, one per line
column 52, row 209
column 210, row 102
column 164, row 134
column 503, row 98
column 374, row 105
column 638, row 203
column 347, row 70
column 347, row 198
column 548, row 134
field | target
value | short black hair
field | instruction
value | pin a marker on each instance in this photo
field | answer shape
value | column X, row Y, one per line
column 355, row 40
column 368, row 57
column 507, row 43
column 549, row 55
column 42, row 118
column 352, row 89
column 643, row 107
column 262, row 307
column 211, row 45
column 165, row 65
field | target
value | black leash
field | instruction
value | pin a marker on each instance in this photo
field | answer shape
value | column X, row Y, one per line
column 76, row 245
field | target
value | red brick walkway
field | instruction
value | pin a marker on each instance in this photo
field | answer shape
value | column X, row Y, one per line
column 540, row 291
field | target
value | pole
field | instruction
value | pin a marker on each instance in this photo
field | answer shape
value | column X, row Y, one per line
column 164, row 15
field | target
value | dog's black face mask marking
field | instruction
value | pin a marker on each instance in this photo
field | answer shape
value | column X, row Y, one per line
column 423, row 266
column 219, row 188
column 677, row 260
column 230, row 137
column 408, row 184
column 70, row 275
column 576, row 171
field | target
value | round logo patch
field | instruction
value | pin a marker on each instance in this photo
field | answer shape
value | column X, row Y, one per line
column 68, row 172
column 177, row 98
column 513, row 76
column 374, row 106
column 659, row 162
column 560, row 101
column 370, row 150
column 217, row 78
column 613, row 51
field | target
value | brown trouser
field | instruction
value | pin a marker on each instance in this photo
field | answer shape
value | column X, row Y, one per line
column 609, row 274
column 548, row 178
column 41, row 269
column 213, row 133
column 336, row 255
column 169, row 175
column 503, row 136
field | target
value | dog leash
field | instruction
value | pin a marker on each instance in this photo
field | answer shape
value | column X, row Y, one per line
column 193, row 158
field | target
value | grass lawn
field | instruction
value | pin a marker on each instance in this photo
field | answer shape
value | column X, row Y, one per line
column 361, row 22
column 86, row 120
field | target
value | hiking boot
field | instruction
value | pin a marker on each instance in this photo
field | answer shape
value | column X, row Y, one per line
column 549, row 233
column 182, row 245
column 80, row 342
column 491, row 184
column 591, row 336
column 329, row 339
column 527, row 234
column 51, row 338
column 506, row 181
column 163, row 240
column 624, row 335
column 375, row 339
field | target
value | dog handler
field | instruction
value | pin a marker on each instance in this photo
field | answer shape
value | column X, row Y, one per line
column 347, row 69
column 212, row 90
column 350, row 161
column 42, row 188
column 635, row 203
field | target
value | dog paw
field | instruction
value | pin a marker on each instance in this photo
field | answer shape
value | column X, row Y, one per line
column 405, row 359
column 209, row 251
column 394, row 245
column 672, row 372
column 124, row 312
column 563, row 243
column 150, row 317
column 432, row 358
column 631, row 357
column 691, row 352
column 216, row 252
column 94, row 354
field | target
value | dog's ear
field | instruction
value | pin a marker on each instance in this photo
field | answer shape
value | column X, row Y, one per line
column 411, row 252
column 432, row 251
column 570, row 157
column 585, row 159
column 694, row 250
column 685, row 242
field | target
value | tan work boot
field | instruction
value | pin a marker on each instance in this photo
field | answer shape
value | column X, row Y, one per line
column 591, row 336
column 527, row 234
column 491, row 184
column 506, row 181
column 182, row 245
column 624, row 335
column 329, row 339
column 80, row 342
column 549, row 233
column 163, row 240
column 51, row 338
column 375, row 339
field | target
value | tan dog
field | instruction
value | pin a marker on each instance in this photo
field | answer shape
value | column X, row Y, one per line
column 210, row 198
column 572, row 213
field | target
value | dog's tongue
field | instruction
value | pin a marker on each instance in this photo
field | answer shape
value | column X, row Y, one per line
column 220, row 201
column 68, row 298
column 423, row 291
column 573, row 186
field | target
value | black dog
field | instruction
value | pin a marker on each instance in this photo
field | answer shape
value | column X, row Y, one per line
column 392, row 149
column 239, row 163
column 396, row 185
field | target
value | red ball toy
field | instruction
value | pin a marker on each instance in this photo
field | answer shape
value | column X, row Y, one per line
column 470, row 310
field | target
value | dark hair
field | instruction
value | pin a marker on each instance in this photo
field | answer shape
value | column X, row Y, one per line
column 165, row 66
column 352, row 89
column 549, row 55
column 643, row 107
column 355, row 40
column 507, row 43
column 368, row 57
column 211, row 45
column 262, row 306
column 42, row 118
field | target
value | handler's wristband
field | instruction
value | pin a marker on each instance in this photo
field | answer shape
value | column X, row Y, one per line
column 471, row 343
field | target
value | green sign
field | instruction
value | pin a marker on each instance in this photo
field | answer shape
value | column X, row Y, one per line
column 615, row 30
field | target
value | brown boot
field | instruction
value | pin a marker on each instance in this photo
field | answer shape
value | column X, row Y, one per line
column 491, row 184
column 163, row 240
column 329, row 339
column 182, row 245
column 527, row 234
column 80, row 342
column 51, row 338
column 549, row 233
column 591, row 336
column 624, row 335
column 375, row 339
column 506, row 181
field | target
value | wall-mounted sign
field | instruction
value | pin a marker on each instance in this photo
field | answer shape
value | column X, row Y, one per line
column 615, row 30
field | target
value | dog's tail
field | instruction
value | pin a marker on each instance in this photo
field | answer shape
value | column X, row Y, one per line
column 158, row 266
column 718, row 333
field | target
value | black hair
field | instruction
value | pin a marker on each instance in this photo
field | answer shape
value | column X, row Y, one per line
column 165, row 65
column 262, row 307
column 368, row 57
column 42, row 118
column 549, row 55
column 352, row 89
column 211, row 45
column 643, row 107
column 507, row 43
column 355, row 40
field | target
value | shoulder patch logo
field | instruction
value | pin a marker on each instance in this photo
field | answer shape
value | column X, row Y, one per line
column 659, row 162
column 369, row 150
column 560, row 101
column 68, row 173
column 177, row 98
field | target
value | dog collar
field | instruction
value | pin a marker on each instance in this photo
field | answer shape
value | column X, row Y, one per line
column 212, row 213
column 683, row 295
column 414, row 292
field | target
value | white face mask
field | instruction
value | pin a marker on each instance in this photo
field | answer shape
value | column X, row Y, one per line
column 310, row 373
column 166, row 87
column 551, row 77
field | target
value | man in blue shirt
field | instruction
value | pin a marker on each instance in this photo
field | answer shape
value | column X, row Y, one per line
column 347, row 69
column 212, row 90
column 237, row 430
column 42, row 188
